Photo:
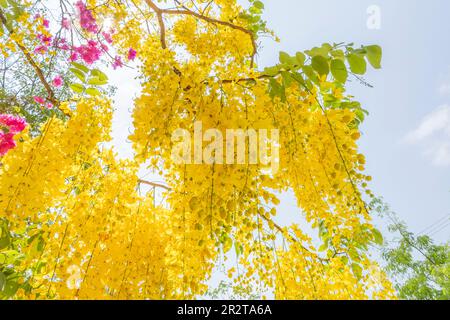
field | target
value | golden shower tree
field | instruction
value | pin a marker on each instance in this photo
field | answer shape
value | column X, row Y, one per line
column 75, row 223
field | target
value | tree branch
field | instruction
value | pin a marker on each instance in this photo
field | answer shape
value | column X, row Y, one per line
column 29, row 58
column 153, row 184
column 162, row 27
column 160, row 12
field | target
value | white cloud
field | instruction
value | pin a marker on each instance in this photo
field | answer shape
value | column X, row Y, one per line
column 440, row 154
column 433, row 134
column 444, row 89
column 436, row 122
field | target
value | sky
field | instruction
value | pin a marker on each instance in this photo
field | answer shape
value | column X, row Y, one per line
column 406, row 138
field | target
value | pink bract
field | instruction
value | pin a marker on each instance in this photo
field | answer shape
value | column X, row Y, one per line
column 90, row 53
column 40, row 49
column 73, row 57
column 57, row 81
column 132, row 54
column 6, row 142
column 39, row 100
column 107, row 37
column 117, row 63
column 65, row 23
column 87, row 20
column 14, row 124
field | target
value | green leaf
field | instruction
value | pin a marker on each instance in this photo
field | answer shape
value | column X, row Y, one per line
column 287, row 59
column 338, row 54
column 238, row 249
column 309, row 72
column 320, row 64
column 93, row 92
column 80, row 66
column 374, row 55
column 378, row 237
column 357, row 64
column 76, row 87
column 276, row 90
column 339, row 70
column 4, row 3
column 360, row 115
column 271, row 71
column 10, row 288
column 99, row 74
column 2, row 281
column 256, row 11
column 287, row 79
column 4, row 241
column 95, row 81
column 284, row 57
column 259, row 5
column 353, row 253
column 323, row 51
column 298, row 77
column 357, row 270
column 227, row 244
column 300, row 58
column 79, row 74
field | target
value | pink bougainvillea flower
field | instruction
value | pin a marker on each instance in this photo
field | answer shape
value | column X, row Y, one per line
column 49, row 106
column 46, row 40
column 73, row 57
column 87, row 20
column 64, row 47
column 40, row 49
column 9, row 126
column 108, row 37
column 6, row 142
column 90, row 53
column 61, row 44
column 57, row 81
column 46, row 23
column 39, row 100
column 14, row 124
column 65, row 23
column 117, row 63
column 104, row 47
column 132, row 54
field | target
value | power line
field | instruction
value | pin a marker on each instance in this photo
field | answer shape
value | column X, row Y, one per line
column 432, row 226
column 437, row 227
column 443, row 227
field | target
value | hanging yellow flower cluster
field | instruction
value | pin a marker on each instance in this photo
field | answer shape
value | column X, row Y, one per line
column 201, row 71
column 103, row 239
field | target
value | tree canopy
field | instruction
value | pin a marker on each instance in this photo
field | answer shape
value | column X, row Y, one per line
column 75, row 222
